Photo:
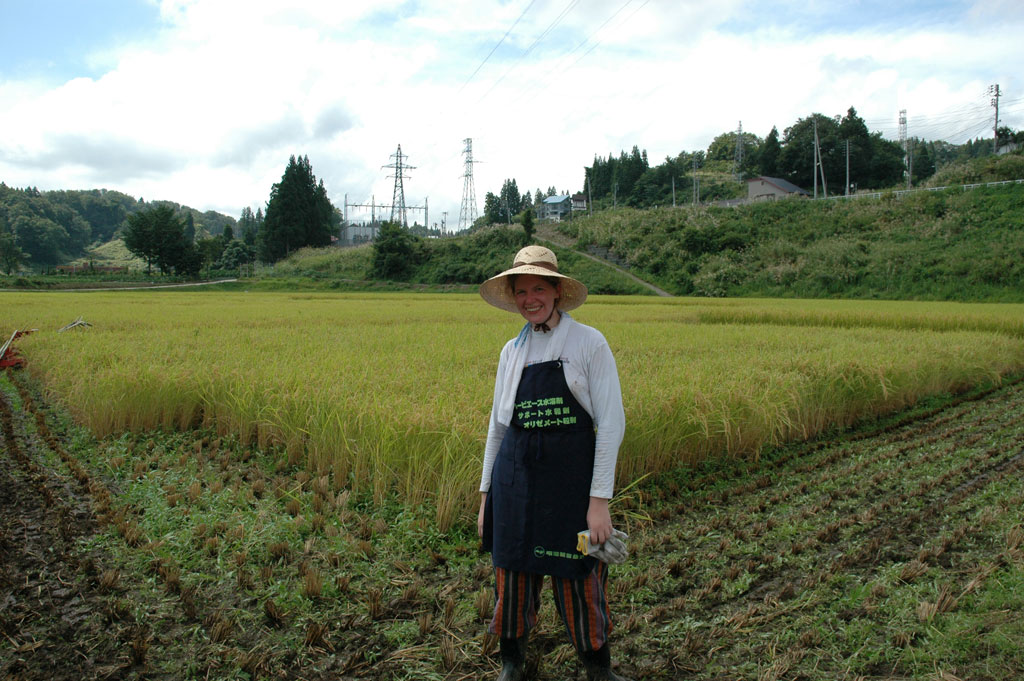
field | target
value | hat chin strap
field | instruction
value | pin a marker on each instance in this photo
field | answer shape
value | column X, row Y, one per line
column 543, row 326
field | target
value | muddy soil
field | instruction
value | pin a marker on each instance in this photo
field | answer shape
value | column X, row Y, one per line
column 51, row 602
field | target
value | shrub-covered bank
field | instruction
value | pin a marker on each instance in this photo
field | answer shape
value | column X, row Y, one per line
column 937, row 245
column 437, row 263
column 944, row 245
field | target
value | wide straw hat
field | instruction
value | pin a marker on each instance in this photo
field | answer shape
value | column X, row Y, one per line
column 532, row 260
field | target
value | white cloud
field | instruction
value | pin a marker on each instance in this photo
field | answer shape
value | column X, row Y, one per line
column 209, row 109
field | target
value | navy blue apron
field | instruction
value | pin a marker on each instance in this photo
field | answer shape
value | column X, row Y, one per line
column 540, row 483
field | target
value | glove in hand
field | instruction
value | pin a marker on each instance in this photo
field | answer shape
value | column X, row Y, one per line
column 614, row 551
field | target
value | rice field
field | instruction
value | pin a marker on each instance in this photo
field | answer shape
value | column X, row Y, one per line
column 390, row 394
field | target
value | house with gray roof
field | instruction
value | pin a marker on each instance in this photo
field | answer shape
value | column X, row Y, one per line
column 771, row 188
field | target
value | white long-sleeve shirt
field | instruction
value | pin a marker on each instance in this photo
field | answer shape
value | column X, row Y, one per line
column 593, row 379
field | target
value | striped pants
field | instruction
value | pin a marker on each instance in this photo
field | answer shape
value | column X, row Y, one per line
column 581, row 604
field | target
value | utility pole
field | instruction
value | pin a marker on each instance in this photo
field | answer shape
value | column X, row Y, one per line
column 444, row 221
column 590, row 197
column 738, row 162
column 910, row 165
column 615, row 195
column 996, row 94
column 467, row 214
column 815, row 173
column 673, row 191
column 696, row 191
column 904, row 143
column 847, row 193
column 398, row 197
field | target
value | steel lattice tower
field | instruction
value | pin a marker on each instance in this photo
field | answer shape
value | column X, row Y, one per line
column 398, row 197
column 467, row 215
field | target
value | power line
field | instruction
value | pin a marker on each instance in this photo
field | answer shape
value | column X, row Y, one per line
column 537, row 92
column 493, row 49
column 529, row 49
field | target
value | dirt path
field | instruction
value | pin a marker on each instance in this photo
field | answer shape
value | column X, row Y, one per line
column 123, row 288
column 53, row 611
column 549, row 234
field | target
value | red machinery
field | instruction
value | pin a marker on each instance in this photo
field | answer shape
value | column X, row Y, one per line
column 9, row 355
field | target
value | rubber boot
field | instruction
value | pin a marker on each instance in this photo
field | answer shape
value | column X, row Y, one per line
column 513, row 659
column 598, row 664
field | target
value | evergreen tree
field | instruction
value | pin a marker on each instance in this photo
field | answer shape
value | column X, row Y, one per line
column 492, row 209
column 247, row 225
column 923, row 166
column 298, row 213
column 528, row 224
column 509, row 201
column 769, row 161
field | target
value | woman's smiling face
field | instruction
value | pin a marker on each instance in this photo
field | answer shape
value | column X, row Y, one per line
column 535, row 298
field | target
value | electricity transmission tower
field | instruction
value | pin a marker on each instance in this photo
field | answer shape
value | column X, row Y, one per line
column 738, row 163
column 467, row 215
column 398, row 197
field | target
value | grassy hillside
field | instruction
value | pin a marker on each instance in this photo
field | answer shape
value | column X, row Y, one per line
column 445, row 263
column 942, row 245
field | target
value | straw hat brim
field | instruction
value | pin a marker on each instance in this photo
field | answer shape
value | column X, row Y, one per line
column 498, row 293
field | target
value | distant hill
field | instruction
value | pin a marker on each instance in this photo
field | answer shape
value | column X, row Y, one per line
column 54, row 227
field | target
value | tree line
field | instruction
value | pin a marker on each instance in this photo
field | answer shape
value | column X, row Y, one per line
column 298, row 214
column 629, row 179
column 47, row 228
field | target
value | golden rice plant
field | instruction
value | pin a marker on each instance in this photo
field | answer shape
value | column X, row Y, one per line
column 391, row 393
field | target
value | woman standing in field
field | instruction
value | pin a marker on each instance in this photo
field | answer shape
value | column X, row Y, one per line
column 549, row 464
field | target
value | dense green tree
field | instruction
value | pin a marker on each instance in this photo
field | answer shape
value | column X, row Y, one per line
column 723, row 148
column 11, row 256
column 853, row 137
column 616, row 177
column 492, row 209
column 887, row 166
column 157, row 236
column 298, row 213
column 210, row 250
column 396, row 252
column 40, row 238
column 922, row 165
column 796, row 160
column 228, row 235
column 234, row 254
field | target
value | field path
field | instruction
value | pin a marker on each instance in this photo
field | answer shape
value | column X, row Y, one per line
column 549, row 234
column 127, row 288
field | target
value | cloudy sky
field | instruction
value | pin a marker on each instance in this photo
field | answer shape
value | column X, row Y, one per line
column 203, row 101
